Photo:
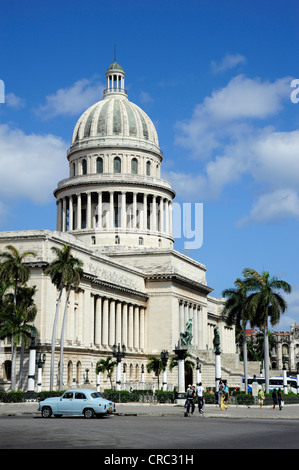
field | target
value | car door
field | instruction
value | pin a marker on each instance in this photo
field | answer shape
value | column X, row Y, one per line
column 65, row 404
column 79, row 403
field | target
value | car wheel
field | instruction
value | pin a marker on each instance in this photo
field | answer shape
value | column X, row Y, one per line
column 88, row 413
column 46, row 412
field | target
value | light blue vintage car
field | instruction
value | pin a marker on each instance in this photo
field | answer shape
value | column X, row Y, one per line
column 79, row 401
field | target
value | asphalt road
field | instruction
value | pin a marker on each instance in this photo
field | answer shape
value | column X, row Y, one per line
column 114, row 434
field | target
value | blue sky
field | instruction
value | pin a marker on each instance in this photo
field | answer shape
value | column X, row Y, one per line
column 215, row 78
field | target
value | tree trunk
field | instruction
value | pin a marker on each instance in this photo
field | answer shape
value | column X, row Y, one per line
column 13, row 364
column 245, row 358
column 62, row 339
column 266, row 357
column 54, row 339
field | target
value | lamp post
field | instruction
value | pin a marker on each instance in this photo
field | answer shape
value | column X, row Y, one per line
column 40, row 362
column 164, row 359
column 118, row 354
column 217, row 351
column 198, row 371
column 31, row 373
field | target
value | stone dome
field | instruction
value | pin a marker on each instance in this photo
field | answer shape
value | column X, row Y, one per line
column 115, row 121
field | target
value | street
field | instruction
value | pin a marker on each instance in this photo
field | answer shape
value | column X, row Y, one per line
column 147, row 432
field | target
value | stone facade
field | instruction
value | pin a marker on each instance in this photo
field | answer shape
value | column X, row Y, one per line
column 116, row 214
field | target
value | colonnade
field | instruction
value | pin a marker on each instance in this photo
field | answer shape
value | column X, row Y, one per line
column 102, row 321
column 189, row 310
column 114, row 209
column 119, row 322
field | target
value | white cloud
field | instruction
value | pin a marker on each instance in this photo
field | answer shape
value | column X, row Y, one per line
column 228, row 134
column 14, row 101
column 30, row 165
column 72, row 100
column 229, row 61
column 145, row 97
column 276, row 206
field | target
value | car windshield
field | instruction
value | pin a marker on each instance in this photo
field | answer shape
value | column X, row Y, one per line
column 95, row 395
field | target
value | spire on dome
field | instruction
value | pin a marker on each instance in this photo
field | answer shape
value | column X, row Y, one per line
column 115, row 78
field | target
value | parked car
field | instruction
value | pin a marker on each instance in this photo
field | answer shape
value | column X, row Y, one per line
column 79, row 401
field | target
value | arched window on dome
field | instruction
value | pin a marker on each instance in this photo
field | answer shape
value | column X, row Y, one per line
column 73, row 169
column 84, row 167
column 117, row 165
column 99, row 165
column 148, row 168
column 134, row 166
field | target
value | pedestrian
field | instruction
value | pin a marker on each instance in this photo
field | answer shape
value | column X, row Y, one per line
column 219, row 392
column 261, row 397
column 274, row 399
column 190, row 399
column 186, row 402
column 280, row 398
column 222, row 398
column 226, row 391
column 200, row 396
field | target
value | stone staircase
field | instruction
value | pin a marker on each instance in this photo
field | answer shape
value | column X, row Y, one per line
column 232, row 369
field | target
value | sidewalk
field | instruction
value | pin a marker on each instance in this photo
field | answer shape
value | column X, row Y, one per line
column 133, row 409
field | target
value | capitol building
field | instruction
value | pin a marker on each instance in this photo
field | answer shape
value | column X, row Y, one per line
column 116, row 214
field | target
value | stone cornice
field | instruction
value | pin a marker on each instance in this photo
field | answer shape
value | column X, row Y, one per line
column 175, row 277
column 109, row 285
column 112, row 180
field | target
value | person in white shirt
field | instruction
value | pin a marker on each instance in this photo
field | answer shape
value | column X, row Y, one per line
column 200, row 395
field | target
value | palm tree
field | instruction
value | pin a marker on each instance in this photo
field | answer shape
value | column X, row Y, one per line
column 265, row 304
column 25, row 300
column 13, row 270
column 62, row 272
column 237, row 312
column 156, row 365
column 18, row 327
column 106, row 365
column 76, row 266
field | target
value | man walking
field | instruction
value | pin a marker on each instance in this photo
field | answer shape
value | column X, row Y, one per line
column 200, row 396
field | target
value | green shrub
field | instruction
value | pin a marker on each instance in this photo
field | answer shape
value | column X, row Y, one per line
column 12, row 397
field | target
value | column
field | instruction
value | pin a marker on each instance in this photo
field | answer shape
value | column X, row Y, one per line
column 100, row 210
column 111, row 210
column 199, row 327
column 98, row 320
column 142, row 331
column 124, row 338
column 88, row 211
column 59, row 215
column 195, row 326
column 186, row 317
column 79, row 213
column 161, row 218
column 112, row 323
column 154, row 214
column 130, row 327
column 71, row 222
column 123, row 211
column 64, row 214
column 136, row 328
column 105, row 307
column 166, row 216
column 181, row 317
column 118, row 324
column 134, row 219
column 145, row 211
